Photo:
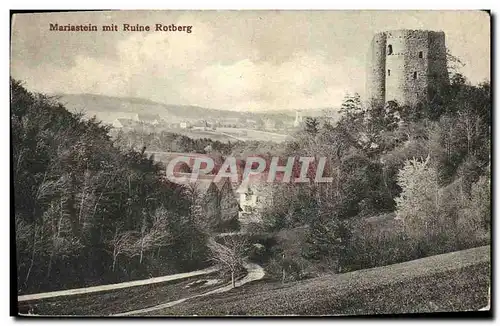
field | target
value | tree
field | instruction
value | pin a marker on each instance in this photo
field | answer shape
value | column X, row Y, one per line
column 351, row 108
column 156, row 236
column 230, row 254
column 474, row 218
column 325, row 241
column 211, row 207
column 454, row 63
column 123, row 243
column 419, row 183
column 311, row 126
column 229, row 207
column 481, row 201
column 419, row 204
column 82, row 201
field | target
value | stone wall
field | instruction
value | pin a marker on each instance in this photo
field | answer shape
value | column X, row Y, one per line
column 375, row 86
column 406, row 66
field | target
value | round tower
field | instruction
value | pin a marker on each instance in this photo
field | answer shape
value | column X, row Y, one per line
column 414, row 66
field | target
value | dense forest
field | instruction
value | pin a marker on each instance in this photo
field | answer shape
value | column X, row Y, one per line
column 87, row 212
column 408, row 182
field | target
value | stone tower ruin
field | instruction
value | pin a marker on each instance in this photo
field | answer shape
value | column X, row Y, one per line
column 407, row 66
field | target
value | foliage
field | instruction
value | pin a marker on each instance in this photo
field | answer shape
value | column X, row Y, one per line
column 373, row 156
column 311, row 126
column 83, row 196
column 474, row 219
column 439, row 219
column 85, row 210
column 230, row 254
column 164, row 141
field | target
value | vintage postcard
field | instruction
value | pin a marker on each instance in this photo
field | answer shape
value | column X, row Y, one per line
column 257, row 163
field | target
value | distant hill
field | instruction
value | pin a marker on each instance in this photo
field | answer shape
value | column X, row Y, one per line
column 108, row 108
column 101, row 103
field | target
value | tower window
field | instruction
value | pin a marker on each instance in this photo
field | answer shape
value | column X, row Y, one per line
column 388, row 72
column 414, row 75
column 389, row 49
column 421, row 54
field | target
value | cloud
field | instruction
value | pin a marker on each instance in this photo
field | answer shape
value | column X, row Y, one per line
column 183, row 68
column 250, row 60
column 304, row 81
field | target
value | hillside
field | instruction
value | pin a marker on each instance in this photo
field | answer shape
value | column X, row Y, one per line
column 101, row 103
column 455, row 281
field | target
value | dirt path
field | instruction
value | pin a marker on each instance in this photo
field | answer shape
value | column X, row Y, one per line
column 255, row 272
column 115, row 286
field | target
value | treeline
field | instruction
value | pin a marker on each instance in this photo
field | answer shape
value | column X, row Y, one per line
column 88, row 212
column 408, row 182
column 165, row 141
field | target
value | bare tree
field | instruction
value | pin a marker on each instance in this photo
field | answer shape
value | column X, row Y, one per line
column 26, row 236
column 156, row 236
column 123, row 243
column 230, row 255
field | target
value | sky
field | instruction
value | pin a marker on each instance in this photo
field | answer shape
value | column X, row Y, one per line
column 233, row 60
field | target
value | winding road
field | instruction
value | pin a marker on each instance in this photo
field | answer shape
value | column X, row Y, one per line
column 115, row 286
column 255, row 272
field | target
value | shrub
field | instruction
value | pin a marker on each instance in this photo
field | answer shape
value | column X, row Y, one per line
column 289, row 269
column 438, row 220
column 377, row 241
column 473, row 225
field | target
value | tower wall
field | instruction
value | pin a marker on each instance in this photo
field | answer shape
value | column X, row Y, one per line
column 438, row 66
column 410, row 64
column 414, row 66
column 375, row 83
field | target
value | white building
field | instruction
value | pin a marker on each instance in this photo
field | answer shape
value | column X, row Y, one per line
column 117, row 123
column 298, row 118
column 152, row 119
column 252, row 199
column 124, row 123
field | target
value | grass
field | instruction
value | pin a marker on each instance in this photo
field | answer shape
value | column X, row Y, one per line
column 121, row 300
column 252, row 134
column 450, row 282
column 197, row 134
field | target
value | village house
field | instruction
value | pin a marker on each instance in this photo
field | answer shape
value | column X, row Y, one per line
column 122, row 123
column 148, row 118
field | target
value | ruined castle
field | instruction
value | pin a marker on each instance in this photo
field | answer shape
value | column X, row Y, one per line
column 407, row 66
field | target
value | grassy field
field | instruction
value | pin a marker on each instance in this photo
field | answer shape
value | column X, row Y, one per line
column 233, row 134
column 250, row 134
column 450, row 282
column 122, row 300
column 197, row 134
